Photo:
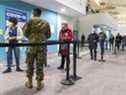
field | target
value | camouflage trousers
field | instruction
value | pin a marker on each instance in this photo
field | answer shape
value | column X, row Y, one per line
column 36, row 57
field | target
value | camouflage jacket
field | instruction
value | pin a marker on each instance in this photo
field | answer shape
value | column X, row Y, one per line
column 37, row 30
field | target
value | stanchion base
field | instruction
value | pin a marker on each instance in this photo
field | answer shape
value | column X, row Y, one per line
column 101, row 60
column 67, row 82
column 75, row 78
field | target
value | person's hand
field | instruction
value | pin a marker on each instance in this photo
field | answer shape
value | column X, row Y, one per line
column 12, row 38
column 58, row 53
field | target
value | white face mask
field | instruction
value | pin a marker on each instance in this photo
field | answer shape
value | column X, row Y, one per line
column 9, row 24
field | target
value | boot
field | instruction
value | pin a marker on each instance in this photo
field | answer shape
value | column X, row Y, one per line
column 18, row 69
column 60, row 68
column 28, row 83
column 40, row 85
column 101, row 57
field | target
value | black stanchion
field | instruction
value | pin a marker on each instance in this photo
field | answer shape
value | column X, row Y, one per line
column 78, row 51
column 75, row 77
column 68, row 81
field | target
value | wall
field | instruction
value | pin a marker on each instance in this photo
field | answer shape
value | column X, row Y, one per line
column 51, row 17
column 86, row 23
column 78, row 5
column 10, row 4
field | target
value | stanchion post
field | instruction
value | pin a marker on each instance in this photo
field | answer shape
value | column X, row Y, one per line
column 74, row 76
column 78, row 51
column 67, row 81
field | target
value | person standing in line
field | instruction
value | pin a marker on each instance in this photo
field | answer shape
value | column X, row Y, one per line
column 93, row 41
column 111, row 42
column 123, row 42
column 36, row 30
column 13, row 35
column 82, row 40
column 102, row 38
column 64, row 35
column 118, row 41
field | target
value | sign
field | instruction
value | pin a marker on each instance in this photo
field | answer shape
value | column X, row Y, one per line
column 1, row 32
column 20, row 15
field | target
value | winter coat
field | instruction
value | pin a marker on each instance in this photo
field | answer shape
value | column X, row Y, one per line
column 93, row 40
column 65, row 35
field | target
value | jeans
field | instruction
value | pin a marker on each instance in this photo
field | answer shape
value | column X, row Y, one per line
column 10, row 56
column 64, row 60
column 93, row 53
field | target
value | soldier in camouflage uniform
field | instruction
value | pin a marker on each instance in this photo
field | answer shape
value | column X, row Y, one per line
column 37, row 31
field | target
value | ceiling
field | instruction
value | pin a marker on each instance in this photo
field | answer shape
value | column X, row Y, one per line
column 116, row 8
column 119, row 12
column 116, row 2
column 53, row 5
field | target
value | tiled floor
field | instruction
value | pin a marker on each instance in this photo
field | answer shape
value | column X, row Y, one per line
column 98, row 78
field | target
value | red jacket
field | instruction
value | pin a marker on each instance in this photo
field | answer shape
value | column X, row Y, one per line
column 66, row 35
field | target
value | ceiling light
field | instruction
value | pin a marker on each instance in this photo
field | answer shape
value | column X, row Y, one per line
column 63, row 10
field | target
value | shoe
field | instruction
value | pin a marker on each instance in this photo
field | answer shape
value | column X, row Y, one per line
column 40, row 85
column 19, row 69
column 29, row 84
column 91, row 58
column 66, row 69
column 95, row 59
column 60, row 68
column 7, row 71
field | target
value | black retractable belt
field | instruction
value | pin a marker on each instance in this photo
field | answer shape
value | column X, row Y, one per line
column 68, row 80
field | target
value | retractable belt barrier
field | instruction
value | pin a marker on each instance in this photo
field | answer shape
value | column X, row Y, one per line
column 69, row 80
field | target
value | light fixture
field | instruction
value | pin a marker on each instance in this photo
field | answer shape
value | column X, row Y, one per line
column 63, row 9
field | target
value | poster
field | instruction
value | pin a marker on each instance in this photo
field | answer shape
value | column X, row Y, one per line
column 1, row 35
column 20, row 15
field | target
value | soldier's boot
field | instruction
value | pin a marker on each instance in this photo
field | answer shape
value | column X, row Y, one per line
column 40, row 85
column 29, row 83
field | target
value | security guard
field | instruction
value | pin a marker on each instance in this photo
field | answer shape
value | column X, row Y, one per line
column 37, row 31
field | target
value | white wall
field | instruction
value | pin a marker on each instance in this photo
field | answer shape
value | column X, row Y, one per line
column 66, row 19
column 86, row 22
column 78, row 5
column 72, row 7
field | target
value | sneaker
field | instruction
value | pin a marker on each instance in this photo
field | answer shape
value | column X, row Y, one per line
column 19, row 69
column 60, row 68
column 7, row 71
column 95, row 59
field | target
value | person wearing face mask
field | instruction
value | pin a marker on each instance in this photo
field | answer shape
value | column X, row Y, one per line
column 13, row 35
column 102, row 38
column 64, row 35
column 92, row 41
